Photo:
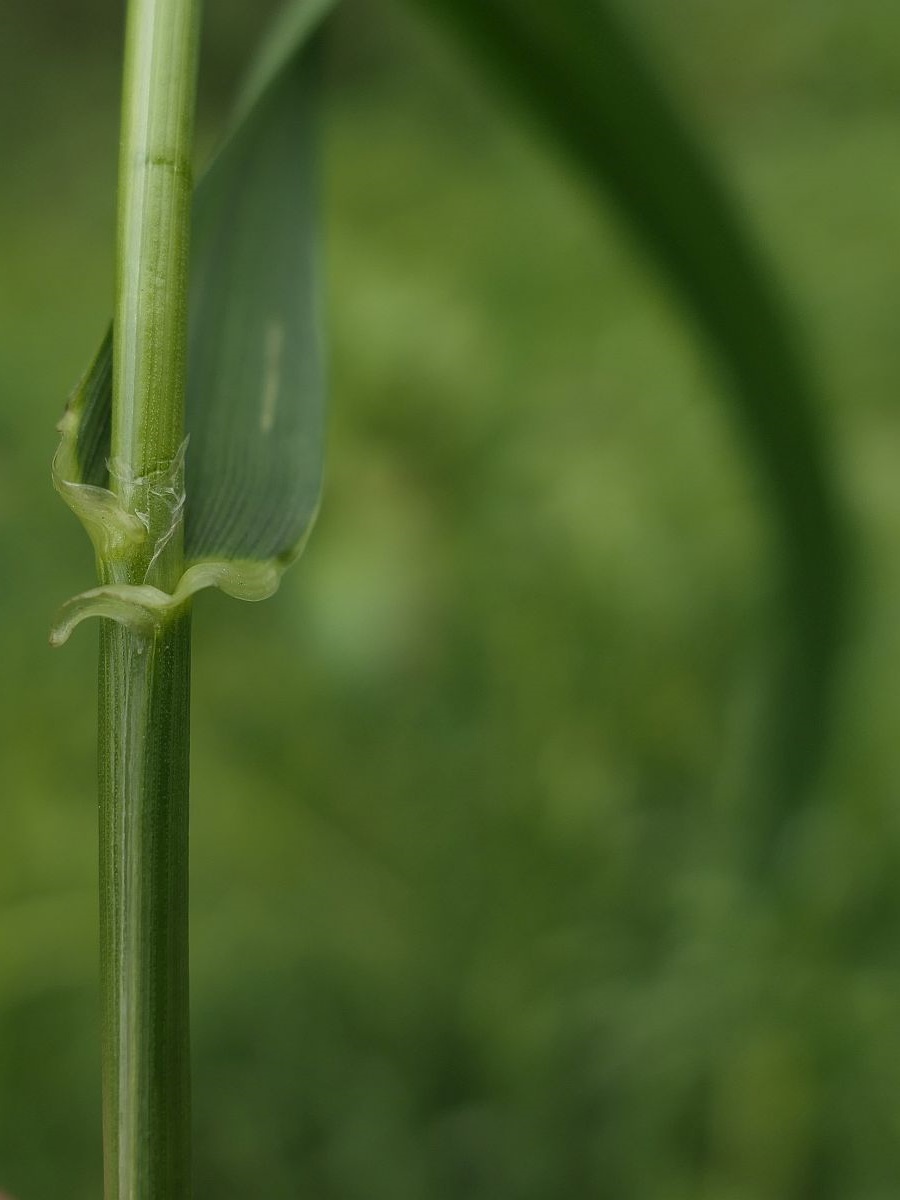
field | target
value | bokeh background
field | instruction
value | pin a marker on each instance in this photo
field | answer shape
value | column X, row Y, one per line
column 469, row 794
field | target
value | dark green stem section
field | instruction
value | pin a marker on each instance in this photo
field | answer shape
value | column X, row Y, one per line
column 144, row 746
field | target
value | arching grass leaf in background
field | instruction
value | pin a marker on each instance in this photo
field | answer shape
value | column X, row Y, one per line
column 573, row 65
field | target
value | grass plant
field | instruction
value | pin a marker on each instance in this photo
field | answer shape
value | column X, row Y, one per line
column 192, row 450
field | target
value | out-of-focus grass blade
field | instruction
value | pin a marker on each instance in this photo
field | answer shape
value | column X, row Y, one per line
column 573, row 65
column 255, row 374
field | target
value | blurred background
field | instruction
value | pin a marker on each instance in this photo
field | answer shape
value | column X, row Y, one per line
column 469, row 794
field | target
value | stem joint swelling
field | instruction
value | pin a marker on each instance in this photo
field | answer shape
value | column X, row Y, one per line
column 131, row 523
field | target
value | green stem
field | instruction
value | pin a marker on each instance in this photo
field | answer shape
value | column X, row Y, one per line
column 155, row 189
column 145, row 677
column 144, row 713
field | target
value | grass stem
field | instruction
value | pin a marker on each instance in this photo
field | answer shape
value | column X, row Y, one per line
column 145, row 676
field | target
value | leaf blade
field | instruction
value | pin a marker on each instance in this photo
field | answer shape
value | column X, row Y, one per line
column 255, row 362
column 256, row 386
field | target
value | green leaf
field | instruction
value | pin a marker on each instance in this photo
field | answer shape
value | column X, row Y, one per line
column 575, row 68
column 255, row 371
column 255, row 399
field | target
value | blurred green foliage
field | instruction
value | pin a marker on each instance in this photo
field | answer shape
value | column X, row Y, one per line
column 471, row 792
